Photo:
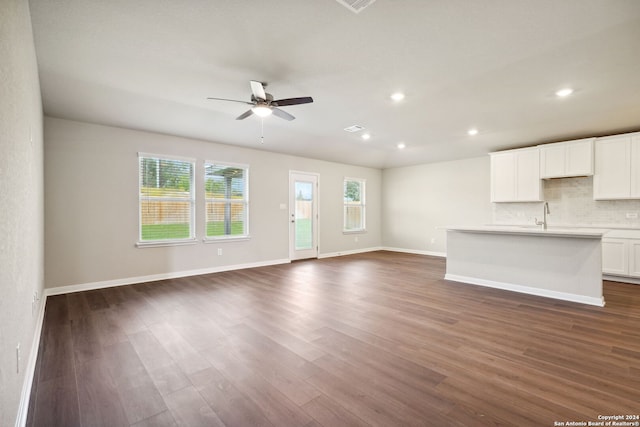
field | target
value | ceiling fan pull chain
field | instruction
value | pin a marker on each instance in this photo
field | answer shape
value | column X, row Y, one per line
column 262, row 130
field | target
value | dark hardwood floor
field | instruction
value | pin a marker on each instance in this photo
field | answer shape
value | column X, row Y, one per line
column 374, row 339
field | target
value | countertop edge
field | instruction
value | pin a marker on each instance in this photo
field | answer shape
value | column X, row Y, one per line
column 525, row 231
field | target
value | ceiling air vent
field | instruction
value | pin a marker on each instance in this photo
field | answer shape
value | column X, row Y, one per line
column 356, row 6
column 354, row 128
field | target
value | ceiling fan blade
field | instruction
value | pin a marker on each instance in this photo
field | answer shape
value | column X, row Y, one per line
column 282, row 114
column 258, row 90
column 244, row 115
column 293, row 101
column 232, row 100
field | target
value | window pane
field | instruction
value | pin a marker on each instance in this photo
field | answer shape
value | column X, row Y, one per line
column 226, row 200
column 224, row 182
column 166, row 199
column 163, row 220
column 165, row 178
column 304, row 215
column 352, row 191
column 353, row 218
column 225, row 219
column 354, row 205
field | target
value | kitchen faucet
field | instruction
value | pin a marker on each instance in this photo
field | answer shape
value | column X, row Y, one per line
column 545, row 212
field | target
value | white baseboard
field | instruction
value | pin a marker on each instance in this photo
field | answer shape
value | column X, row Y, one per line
column 415, row 251
column 526, row 290
column 351, row 252
column 23, row 410
column 155, row 277
column 622, row 279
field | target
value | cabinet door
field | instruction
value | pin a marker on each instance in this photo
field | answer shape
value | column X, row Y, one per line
column 635, row 166
column 615, row 257
column 552, row 161
column 634, row 258
column 612, row 178
column 579, row 158
column 528, row 185
column 503, row 182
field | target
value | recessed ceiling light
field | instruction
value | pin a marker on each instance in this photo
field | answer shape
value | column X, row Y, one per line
column 401, row 145
column 473, row 131
column 366, row 136
column 398, row 96
column 564, row 92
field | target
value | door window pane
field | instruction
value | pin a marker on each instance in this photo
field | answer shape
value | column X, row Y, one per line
column 304, row 215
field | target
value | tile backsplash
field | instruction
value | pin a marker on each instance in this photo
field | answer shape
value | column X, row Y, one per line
column 571, row 204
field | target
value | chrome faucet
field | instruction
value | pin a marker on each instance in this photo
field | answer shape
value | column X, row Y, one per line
column 545, row 212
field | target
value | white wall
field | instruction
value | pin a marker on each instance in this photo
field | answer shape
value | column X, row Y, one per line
column 91, row 198
column 418, row 200
column 21, row 201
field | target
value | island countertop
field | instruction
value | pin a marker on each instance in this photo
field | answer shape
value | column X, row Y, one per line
column 589, row 233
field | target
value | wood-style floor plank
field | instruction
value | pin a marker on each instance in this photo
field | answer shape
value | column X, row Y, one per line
column 374, row 339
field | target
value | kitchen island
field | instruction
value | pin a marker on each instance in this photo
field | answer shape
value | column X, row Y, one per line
column 564, row 264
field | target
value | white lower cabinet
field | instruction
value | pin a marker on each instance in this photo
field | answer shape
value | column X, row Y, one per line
column 621, row 257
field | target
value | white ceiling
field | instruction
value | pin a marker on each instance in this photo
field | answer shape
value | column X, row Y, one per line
column 491, row 64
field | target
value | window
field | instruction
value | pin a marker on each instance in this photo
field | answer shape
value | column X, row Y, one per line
column 167, row 199
column 354, row 205
column 226, row 200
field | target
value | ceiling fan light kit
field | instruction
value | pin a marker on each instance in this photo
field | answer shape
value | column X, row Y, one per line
column 261, row 110
column 263, row 104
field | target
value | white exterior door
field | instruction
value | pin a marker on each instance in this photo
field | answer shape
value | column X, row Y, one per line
column 303, row 215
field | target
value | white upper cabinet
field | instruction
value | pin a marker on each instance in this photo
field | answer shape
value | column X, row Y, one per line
column 566, row 159
column 515, row 176
column 617, row 167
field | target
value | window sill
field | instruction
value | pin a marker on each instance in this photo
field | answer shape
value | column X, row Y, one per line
column 226, row 239
column 354, row 231
column 159, row 243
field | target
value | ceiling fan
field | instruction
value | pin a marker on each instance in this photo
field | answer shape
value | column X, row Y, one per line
column 263, row 104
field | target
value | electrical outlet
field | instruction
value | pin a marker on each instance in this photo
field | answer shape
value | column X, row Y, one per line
column 356, row 238
column 632, row 215
column 219, row 251
column 18, row 358
column 433, row 240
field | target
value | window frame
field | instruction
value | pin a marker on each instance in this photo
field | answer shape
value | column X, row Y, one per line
column 192, row 201
column 363, row 199
column 245, row 201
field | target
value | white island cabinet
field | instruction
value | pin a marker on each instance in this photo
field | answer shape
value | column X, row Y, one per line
column 515, row 176
column 621, row 255
column 564, row 264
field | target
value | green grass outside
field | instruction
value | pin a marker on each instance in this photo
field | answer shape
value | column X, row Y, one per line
column 181, row 231
column 165, row 231
column 304, row 236
column 216, row 228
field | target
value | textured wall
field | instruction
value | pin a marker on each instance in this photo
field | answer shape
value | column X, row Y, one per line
column 21, row 200
column 571, row 204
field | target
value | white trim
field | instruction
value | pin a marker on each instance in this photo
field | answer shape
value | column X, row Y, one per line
column 23, row 409
column 167, row 242
column 167, row 156
column 527, row 290
column 621, row 279
column 350, row 252
column 155, row 277
column 414, row 251
column 224, row 239
column 316, row 213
